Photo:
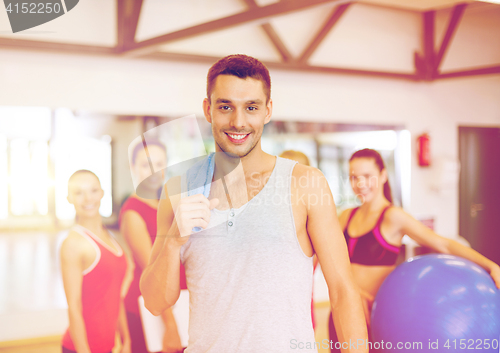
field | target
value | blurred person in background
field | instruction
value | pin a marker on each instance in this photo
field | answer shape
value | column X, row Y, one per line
column 94, row 271
column 138, row 226
column 374, row 231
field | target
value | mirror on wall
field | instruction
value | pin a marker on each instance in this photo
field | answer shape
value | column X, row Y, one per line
column 57, row 142
column 329, row 147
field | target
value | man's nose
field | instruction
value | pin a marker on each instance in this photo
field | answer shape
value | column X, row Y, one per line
column 238, row 119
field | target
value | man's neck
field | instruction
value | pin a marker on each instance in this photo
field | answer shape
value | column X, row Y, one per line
column 257, row 161
column 238, row 176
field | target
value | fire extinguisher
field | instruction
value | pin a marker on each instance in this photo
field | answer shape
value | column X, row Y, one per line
column 423, row 150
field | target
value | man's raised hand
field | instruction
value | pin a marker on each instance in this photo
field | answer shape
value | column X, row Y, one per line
column 192, row 211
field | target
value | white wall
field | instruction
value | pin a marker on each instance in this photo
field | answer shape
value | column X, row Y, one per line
column 133, row 86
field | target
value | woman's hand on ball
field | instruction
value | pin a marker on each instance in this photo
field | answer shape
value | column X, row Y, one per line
column 495, row 274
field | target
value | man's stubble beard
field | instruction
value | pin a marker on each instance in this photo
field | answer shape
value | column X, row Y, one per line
column 234, row 155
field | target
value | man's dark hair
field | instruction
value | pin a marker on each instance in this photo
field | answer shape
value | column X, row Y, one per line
column 241, row 66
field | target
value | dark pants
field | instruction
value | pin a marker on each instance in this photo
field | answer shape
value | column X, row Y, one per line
column 334, row 338
column 136, row 333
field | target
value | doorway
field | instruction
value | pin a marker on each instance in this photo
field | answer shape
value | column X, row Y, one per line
column 479, row 190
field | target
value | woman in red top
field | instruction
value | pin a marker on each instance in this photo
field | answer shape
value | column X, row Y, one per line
column 93, row 268
column 138, row 226
column 374, row 231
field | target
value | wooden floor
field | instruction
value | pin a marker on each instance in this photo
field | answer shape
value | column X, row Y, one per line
column 33, row 309
column 53, row 345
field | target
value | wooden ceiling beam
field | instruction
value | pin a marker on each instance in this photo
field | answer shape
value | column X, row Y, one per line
column 285, row 54
column 128, row 13
column 25, row 44
column 323, row 32
column 134, row 19
column 252, row 15
column 490, row 70
column 272, row 35
column 293, row 66
column 424, row 64
column 455, row 18
column 120, row 23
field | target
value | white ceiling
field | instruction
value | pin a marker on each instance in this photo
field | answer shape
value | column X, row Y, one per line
column 91, row 22
column 371, row 35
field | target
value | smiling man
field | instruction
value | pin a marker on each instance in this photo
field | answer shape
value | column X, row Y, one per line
column 249, row 271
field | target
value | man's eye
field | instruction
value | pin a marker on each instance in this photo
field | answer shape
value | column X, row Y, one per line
column 225, row 107
column 252, row 108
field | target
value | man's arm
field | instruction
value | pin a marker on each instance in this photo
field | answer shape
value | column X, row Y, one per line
column 160, row 279
column 171, row 339
column 328, row 241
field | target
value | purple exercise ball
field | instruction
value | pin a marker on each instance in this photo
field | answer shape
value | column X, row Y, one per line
column 437, row 303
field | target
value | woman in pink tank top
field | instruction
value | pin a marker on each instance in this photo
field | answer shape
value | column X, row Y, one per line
column 138, row 226
column 374, row 231
column 93, row 268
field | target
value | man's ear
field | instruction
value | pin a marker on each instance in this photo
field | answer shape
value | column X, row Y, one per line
column 269, row 111
column 206, row 110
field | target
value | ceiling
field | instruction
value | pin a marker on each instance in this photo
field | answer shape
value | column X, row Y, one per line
column 399, row 39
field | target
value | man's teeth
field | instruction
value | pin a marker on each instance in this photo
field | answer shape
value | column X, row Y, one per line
column 237, row 137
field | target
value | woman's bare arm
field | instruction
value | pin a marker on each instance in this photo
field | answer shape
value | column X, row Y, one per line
column 72, row 266
column 427, row 237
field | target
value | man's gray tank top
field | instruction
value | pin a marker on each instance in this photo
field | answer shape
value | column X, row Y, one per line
column 250, row 283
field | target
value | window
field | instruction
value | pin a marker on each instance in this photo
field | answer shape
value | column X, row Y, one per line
column 28, row 177
column 4, row 191
column 71, row 155
column 39, row 150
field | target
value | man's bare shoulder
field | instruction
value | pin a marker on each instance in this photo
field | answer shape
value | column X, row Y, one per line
column 311, row 187
column 304, row 173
